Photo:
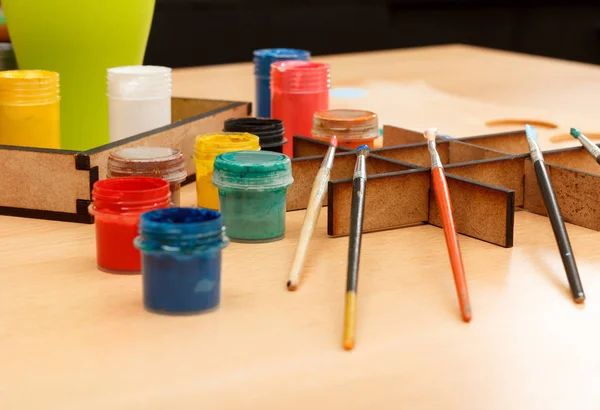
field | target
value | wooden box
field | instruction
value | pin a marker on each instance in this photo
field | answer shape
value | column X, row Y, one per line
column 56, row 184
column 489, row 178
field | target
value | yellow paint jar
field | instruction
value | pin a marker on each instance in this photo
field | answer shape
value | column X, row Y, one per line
column 30, row 108
column 206, row 149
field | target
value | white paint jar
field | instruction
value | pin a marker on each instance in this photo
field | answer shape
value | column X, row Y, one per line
column 139, row 99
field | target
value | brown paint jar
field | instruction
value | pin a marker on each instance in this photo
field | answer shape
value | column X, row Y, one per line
column 352, row 128
column 158, row 162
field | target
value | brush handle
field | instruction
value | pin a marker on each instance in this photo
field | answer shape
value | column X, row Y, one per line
column 442, row 196
column 592, row 148
column 560, row 231
column 315, row 203
column 356, row 225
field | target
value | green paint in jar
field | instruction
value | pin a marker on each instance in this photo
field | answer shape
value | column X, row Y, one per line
column 252, row 194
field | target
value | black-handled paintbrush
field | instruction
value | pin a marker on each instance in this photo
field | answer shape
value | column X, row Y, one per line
column 359, row 184
column 553, row 210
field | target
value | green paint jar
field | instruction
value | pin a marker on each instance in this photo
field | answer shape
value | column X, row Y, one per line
column 252, row 193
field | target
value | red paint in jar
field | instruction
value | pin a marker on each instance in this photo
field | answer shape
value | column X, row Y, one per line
column 117, row 206
column 298, row 90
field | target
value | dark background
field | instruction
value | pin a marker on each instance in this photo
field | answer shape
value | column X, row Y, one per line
column 201, row 32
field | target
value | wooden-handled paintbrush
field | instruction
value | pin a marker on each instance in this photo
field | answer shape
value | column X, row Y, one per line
column 315, row 203
column 442, row 198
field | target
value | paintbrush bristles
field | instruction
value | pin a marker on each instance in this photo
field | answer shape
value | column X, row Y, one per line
column 333, row 141
column 430, row 134
column 363, row 150
column 531, row 133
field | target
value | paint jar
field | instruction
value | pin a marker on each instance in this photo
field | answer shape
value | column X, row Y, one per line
column 7, row 57
column 252, row 194
column 157, row 162
column 268, row 130
column 298, row 90
column 206, row 149
column 117, row 206
column 30, row 108
column 139, row 99
column 181, row 259
column 262, row 73
column 352, row 128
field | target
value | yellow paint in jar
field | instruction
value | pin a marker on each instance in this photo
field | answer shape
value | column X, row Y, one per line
column 206, row 149
column 30, row 108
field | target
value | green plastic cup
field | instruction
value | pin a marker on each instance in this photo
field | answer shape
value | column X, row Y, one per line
column 80, row 39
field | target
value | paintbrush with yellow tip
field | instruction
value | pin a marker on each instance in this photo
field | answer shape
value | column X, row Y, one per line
column 357, row 211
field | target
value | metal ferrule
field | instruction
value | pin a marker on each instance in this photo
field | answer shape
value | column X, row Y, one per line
column 328, row 160
column 589, row 145
column 534, row 151
column 360, row 169
column 435, row 157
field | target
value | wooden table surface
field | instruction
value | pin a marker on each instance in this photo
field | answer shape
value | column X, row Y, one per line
column 72, row 337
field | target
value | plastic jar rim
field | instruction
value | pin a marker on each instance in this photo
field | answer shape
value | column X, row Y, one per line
column 345, row 116
column 30, row 76
column 266, row 129
column 175, row 230
column 139, row 71
column 131, row 193
column 252, row 170
column 182, row 220
column 263, row 58
column 166, row 161
column 299, row 66
column 280, row 53
column 208, row 146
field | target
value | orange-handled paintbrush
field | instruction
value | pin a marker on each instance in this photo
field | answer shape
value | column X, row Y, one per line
column 442, row 198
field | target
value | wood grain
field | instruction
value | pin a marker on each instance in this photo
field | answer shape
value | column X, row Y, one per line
column 577, row 193
column 574, row 158
column 44, row 180
column 459, row 151
column 304, row 171
column 75, row 338
column 480, row 211
column 391, row 201
column 415, row 154
column 510, row 142
column 506, row 172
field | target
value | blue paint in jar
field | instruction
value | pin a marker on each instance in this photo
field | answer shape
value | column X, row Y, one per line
column 181, row 259
column 252, row 194
column 262, row 73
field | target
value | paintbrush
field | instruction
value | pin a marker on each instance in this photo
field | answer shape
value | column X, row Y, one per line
column 315, row 203
column 442, row 198
column 359, row 183
column 558, row 225
column 587, row 144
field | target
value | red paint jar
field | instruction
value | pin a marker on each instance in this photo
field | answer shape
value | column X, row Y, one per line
column 117, row 206
column 298, row 90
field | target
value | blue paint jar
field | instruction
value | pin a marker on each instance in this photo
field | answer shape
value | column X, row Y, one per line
column 181, row 259
column 252, row 194
column 262, row 72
